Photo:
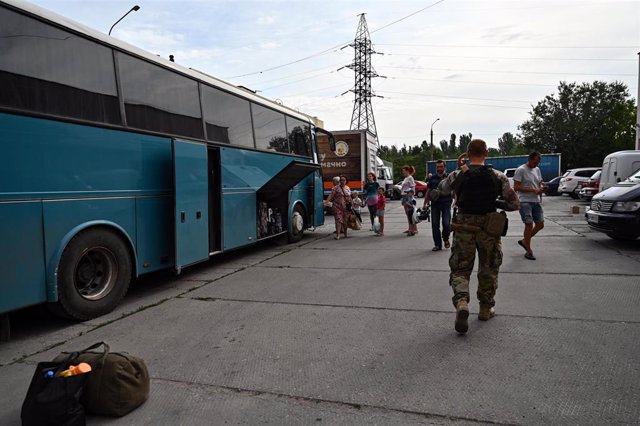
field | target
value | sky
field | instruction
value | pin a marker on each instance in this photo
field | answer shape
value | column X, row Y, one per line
column 479, row 66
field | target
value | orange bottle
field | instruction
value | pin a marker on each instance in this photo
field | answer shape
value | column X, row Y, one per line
column 74, row 370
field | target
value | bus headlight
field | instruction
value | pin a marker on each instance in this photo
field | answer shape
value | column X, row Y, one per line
column 626, row 206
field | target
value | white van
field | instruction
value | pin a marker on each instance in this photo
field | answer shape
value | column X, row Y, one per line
column 618, row 166
column 510, row 173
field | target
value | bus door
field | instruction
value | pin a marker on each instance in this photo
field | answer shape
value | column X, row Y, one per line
column 277, row 188
column 191, row 199
column 215, row 201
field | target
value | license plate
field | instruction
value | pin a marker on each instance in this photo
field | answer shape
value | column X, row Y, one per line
column 592, row 218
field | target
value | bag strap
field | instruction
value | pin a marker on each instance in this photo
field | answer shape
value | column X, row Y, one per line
column 95, row 346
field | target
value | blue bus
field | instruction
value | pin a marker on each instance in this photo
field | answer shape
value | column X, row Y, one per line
column 115, row 163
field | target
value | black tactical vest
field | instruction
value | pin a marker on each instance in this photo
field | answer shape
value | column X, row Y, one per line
column 479, row 190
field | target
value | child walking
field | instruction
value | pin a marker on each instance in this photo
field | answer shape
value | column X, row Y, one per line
column 409, row 204
column 356, row 204
column 380, row 211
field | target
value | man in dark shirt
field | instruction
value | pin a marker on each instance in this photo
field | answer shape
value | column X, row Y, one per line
column 440, row 208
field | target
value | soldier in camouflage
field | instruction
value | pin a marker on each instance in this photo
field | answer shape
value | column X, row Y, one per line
column 476, row 188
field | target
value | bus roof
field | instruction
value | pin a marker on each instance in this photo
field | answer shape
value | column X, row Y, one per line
column 128, row 48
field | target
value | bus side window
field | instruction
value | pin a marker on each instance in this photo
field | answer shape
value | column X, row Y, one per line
column 47, row 70
column 269, row 128
column 299, row 137
column 159, row 100
column 227, row 117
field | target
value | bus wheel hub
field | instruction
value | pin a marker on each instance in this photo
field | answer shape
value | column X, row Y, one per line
column 297, row 223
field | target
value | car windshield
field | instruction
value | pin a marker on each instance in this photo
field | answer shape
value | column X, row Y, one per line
column 596, row 175
column 635, row 177
column 567, row 173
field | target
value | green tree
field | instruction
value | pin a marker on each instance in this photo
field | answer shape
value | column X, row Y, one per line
column 464, row 142
column 582, row 122
column 444, row 146
column 509, row 144
column 453, row 150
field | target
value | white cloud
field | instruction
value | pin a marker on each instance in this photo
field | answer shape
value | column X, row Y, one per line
column 266, row 20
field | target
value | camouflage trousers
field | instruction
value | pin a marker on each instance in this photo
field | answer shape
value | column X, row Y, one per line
column 468, row 237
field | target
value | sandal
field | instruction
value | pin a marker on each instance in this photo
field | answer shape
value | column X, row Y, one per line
column 521, row 242
column 529, row 256
column 336, row 238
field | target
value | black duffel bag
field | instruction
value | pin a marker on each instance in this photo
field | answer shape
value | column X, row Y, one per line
column 52, row 400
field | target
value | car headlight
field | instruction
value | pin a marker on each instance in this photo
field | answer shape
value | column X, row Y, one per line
column 626, row 206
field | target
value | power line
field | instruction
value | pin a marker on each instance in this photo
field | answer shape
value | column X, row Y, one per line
column 456, row 103
column 507, row 71
column 408, row 16
column 501, row 46
column 473, row 82
column 331, row 49
column 510, row 58
column 455, row 97
column 312, row 91
column 331, row 67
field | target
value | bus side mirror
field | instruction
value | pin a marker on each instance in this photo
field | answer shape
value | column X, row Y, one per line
column 332, row 143
column 332, row 140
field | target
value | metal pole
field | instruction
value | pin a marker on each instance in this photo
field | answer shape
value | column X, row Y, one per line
column 133, row 9
column 638, row 108
column 432, row 137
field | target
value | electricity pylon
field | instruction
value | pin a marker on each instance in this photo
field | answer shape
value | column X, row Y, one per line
column 362, row 116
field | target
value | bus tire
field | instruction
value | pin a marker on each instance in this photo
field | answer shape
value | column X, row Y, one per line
column 93, row 274
column 296, row 225
column 5, row 328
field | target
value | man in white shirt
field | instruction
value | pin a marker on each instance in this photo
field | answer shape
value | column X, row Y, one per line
column 528, row 184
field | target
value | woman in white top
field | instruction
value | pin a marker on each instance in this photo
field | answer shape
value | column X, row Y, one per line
column 408, row 183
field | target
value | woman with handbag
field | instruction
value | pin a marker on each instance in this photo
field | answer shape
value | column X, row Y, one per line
column 340, row 197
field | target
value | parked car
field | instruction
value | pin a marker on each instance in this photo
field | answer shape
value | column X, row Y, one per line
column 617, row 166
column 586, row 190
column 421, row 190
column 616, row 211
column 510, row 173
column 570, row 179
column 551, row 187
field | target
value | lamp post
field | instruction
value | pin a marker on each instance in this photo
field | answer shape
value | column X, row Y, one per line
column 133, row 9
column 437, row 119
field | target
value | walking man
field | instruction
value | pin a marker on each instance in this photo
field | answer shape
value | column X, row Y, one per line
column 476, row 188
column 440, row 208
column 528, row 184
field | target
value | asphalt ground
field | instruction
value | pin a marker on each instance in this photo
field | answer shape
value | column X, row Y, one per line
column 360, row 331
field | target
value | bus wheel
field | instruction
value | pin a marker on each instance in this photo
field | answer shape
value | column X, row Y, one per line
column 297, row 224
column 93, row 274
column 5, row 328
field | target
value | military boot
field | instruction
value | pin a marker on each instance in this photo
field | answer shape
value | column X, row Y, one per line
column 462, row 314
column 486, row 313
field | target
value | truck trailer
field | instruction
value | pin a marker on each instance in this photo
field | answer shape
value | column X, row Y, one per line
column 355, row 155
column 549, row 164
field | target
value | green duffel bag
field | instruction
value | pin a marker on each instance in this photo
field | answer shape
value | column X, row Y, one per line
column 118, row 383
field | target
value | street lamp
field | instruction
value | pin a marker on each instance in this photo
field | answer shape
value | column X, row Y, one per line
column 133, row 9
column 437, row 119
